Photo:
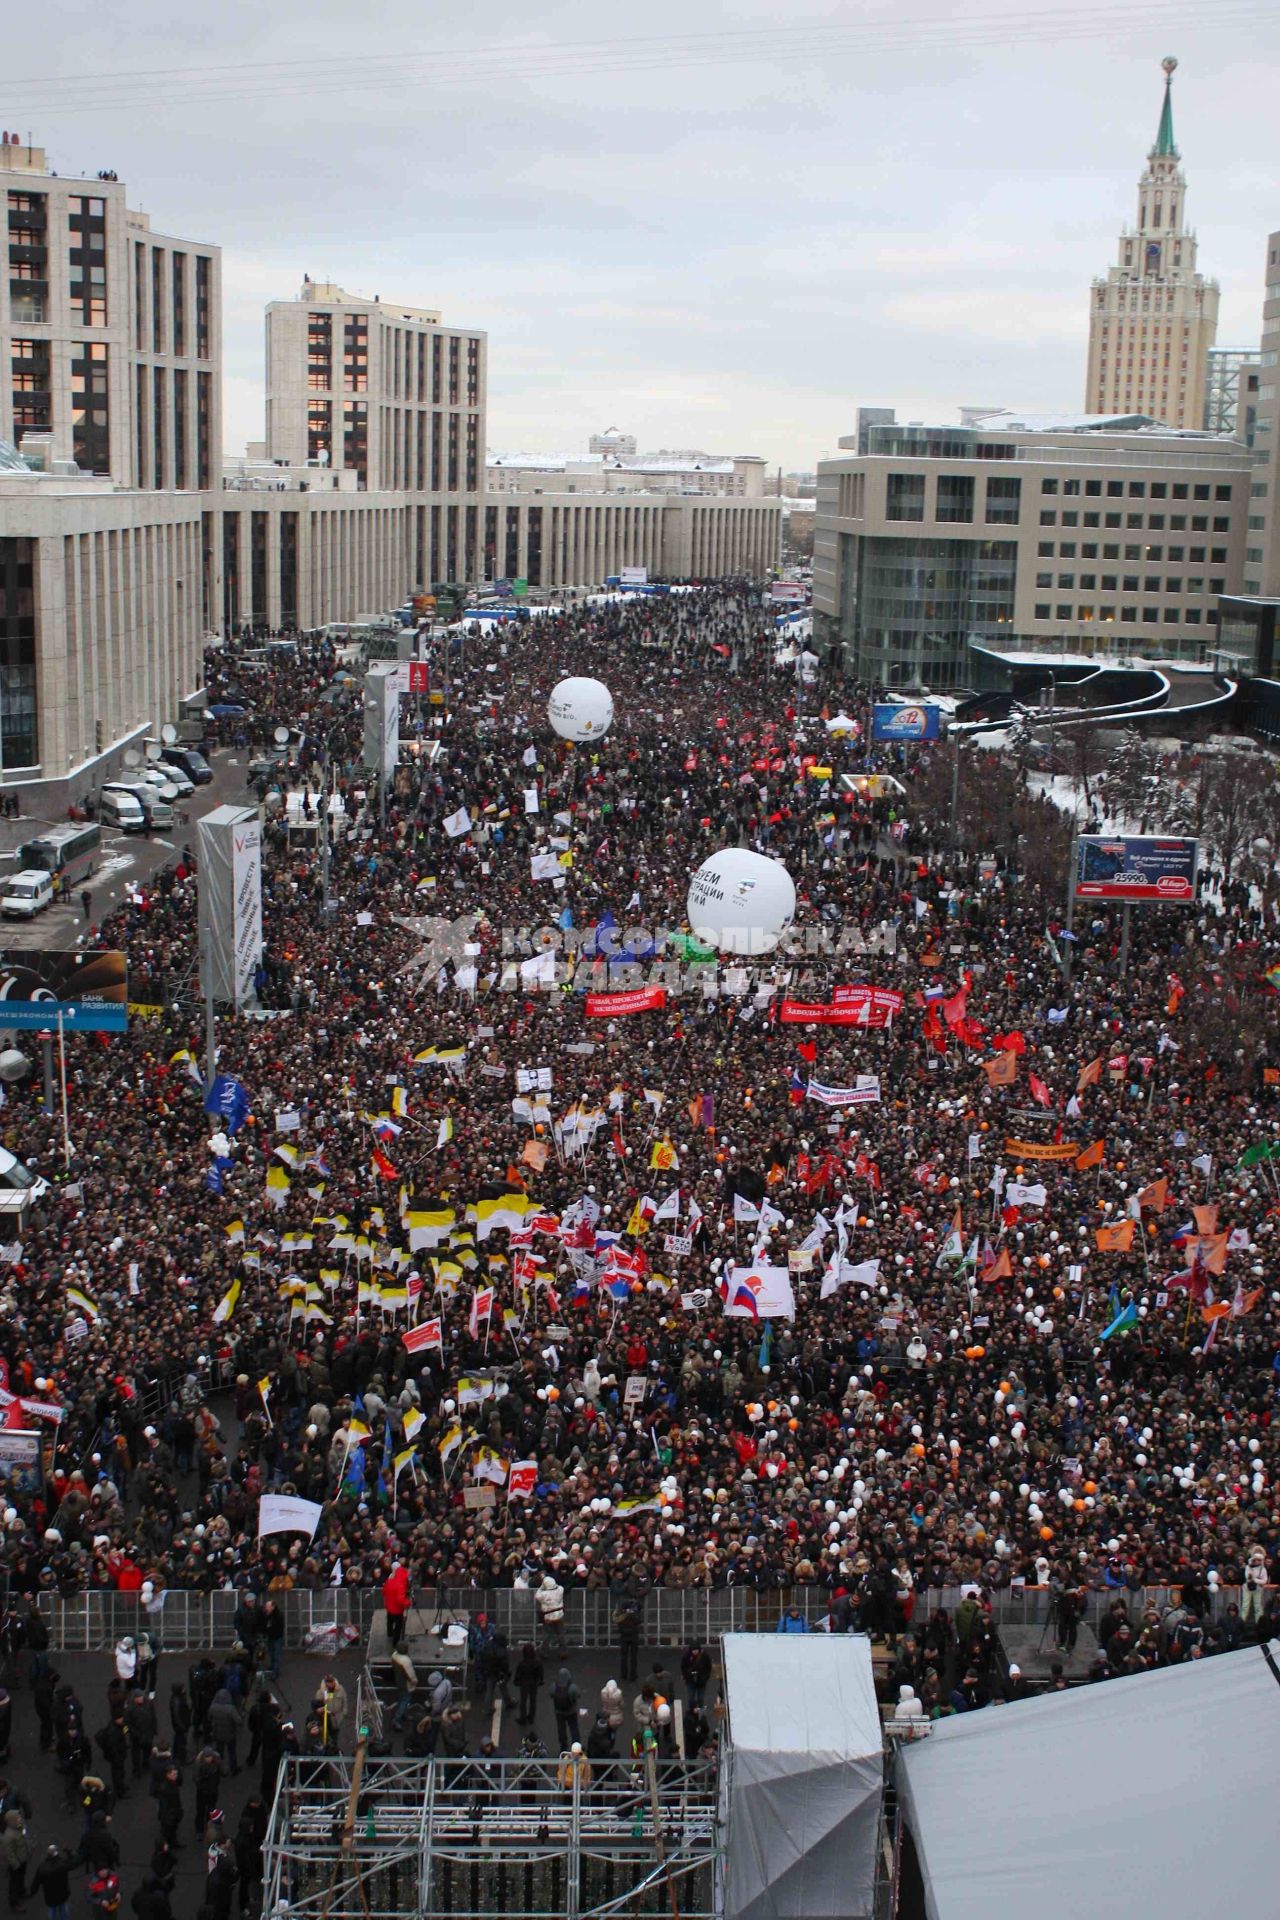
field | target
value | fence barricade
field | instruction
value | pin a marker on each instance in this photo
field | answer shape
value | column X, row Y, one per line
column 189, row 1622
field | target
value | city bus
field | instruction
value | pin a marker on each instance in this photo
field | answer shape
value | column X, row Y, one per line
column 69, row 853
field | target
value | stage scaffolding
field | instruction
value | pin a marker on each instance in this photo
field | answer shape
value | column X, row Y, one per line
column 359, row 1839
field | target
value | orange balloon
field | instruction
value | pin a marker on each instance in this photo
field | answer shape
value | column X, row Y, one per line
column 794, row 1425
column 1091, row 1486
column 918, row 1449
column 984, row 1126
column 1078, row 1505
column 1046, row 1533
column 1005, row 1387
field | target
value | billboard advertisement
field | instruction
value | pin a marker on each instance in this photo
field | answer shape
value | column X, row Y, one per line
column 89, row 988
column 229, row 849
column 382, row 717
column 1136, row 867
column 890, row 722
column 633, row 576
column 788, row 592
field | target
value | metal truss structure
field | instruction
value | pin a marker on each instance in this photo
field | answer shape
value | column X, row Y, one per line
column 354, row 1838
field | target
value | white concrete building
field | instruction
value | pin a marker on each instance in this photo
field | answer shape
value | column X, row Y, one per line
column 717, row 476
column 110, row 334
column 101, row 634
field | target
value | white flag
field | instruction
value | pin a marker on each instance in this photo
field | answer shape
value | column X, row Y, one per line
column 839, row 1274
column 285, row 1513
column 545, row 866
column 531, row 799
column 458, row 823
column 745, row 1212
column 529, row 758
column 670, row 1208
column 1203, row 1163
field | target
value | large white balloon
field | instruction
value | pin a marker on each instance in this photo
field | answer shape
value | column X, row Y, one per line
column 580, row 709
column 741, row 902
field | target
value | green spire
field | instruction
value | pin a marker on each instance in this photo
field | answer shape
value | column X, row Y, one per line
column 1165, row 147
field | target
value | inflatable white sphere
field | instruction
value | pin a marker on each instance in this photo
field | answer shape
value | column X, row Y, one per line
column 741, row 902
column 580, row 709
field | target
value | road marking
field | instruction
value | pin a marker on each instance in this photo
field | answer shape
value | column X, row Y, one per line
column 163, row 843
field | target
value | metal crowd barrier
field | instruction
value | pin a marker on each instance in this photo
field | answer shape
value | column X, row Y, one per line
column 189, row 1622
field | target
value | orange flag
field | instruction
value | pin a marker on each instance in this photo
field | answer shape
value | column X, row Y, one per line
column 1087, row 1075
column 1001, row 1267
column 1213, row 1252
column 1002, row 1071
column 1091, row 1157
column 1271, row 1076
column 1156, row 1196
column 1206, row 1218
column 1218, row 1311
column 535, row 1154
column 1117, row 1239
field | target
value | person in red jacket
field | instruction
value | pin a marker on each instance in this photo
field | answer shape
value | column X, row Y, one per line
column 395, row 1598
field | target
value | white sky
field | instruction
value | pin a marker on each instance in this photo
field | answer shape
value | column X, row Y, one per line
column 723, row 225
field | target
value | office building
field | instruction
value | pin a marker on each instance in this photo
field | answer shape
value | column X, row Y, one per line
column 1153, row 318
column 110, row 333
column 1088, row 535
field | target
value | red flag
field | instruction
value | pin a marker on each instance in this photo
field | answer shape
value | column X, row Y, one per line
column 953, row 1010
column 382, row 1166
column 420, row 1338
column 1014, row 1042
column 808, row 1051
column 1039, row 1091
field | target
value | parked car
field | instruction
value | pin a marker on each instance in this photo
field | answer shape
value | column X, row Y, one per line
column 193, row 764
column 169, row 781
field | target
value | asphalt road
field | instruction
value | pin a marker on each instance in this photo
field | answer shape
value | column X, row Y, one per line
column 128, row 859
column 133, row 1820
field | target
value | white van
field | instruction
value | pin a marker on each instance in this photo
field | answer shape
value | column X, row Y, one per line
column 26, row 893
column 120, row 807
column 156, row 810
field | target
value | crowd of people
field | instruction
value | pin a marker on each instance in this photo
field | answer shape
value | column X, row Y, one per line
column 1034, row 1332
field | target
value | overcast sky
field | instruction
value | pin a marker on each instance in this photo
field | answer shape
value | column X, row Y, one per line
column 722, row 226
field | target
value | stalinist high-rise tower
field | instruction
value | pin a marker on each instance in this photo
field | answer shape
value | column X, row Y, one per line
column 1153, row 319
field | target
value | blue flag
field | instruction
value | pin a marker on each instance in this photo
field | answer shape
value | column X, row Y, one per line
column 227, row 1100
column 216, row 1178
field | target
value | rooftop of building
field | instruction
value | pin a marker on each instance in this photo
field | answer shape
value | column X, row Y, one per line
column 623, row 463
column 327, row 293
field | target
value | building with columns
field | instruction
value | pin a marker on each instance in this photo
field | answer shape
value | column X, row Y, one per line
column 124, row 540
column 1153, row 318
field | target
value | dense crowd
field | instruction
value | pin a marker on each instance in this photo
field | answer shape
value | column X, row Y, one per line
column 1001, row 1398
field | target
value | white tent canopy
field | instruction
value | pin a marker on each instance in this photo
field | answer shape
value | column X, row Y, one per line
column 804, row 1776
column 1148, row 1796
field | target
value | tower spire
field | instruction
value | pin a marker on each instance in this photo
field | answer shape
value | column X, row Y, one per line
column 1166, row 147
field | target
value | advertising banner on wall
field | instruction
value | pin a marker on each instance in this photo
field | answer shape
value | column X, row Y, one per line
column 890, row 722
column 1136, row 867
column 229, row 848
column 89, row 989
